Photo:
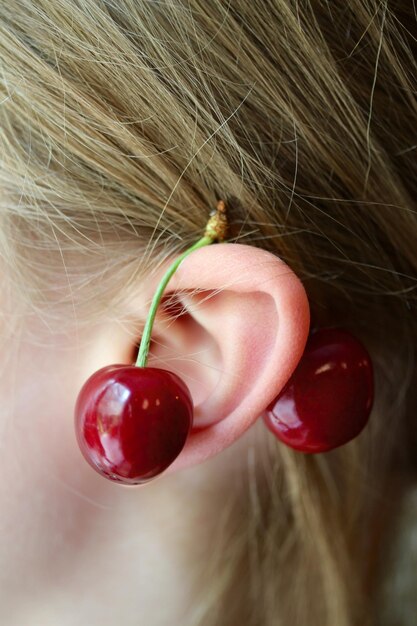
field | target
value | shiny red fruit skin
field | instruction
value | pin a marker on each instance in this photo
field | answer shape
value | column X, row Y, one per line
column 328, row 399
column 132, row 422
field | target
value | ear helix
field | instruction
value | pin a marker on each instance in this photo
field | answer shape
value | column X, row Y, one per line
column 133, row 421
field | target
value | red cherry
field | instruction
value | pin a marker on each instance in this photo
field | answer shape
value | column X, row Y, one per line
column 328, row 399
column 132, row 422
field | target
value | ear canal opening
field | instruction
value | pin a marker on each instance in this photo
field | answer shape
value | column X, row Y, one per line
column 134, row 353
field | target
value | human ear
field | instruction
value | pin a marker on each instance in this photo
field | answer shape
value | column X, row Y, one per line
column 244, row 308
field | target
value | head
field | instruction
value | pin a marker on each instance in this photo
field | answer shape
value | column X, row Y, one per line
column 121, row 125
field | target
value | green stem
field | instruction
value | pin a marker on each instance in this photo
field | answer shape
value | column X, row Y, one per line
column 216, row 229
column 146, row 336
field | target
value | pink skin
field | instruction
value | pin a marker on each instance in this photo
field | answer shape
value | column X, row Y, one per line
column 71, row 539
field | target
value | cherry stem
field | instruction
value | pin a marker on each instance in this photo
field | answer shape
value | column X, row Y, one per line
column 216, row 229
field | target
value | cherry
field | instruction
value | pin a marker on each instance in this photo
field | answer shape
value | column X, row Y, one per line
column 132, row 422
column 328, row 399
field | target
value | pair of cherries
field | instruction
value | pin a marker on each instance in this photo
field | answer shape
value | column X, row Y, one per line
column 132, row 421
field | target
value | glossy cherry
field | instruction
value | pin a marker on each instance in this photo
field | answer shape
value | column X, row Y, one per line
column 132, row 422
column 328, row 399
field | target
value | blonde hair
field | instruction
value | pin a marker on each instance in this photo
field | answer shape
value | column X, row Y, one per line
column 121, row 124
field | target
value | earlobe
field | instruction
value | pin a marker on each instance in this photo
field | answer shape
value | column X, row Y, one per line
column 255, row 310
